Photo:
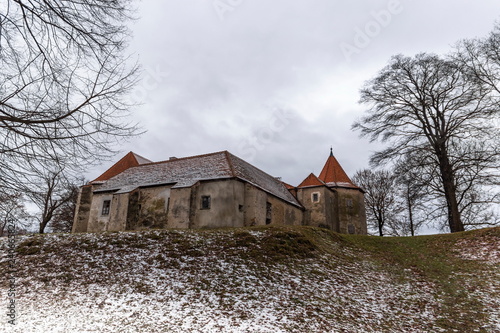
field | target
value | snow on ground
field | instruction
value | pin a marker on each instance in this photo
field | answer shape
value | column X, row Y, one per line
column 486, row 249
column 189, row 283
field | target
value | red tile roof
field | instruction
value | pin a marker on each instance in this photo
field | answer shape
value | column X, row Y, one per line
column 311, row 180
column 333, row 174
column 127, row 161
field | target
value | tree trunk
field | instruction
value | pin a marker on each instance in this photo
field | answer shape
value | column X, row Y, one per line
column 43, row 224
column 410, row 215
column 450, row 192
column 45, row 220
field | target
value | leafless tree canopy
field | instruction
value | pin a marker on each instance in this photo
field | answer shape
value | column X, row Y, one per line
column 51, row 191
column 415, row 193
column 437, row 108
column 62, row 220
column 382, row 206
column 63, row 79
column 12, row 212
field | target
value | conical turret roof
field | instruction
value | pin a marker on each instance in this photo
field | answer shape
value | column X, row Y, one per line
column 333, row 174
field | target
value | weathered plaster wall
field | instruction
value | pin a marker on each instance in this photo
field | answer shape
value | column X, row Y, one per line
column 226, row 204
column 254, row 206
column 148, row 208
column 320, row 213
column 180, row 204
column 118, row 212
column 233, row 203
column 82, row 210
column 351, row 211
column 97, row 221
column 293, row 215
column 284, row 213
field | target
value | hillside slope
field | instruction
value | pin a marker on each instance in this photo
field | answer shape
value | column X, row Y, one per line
column 278, row 279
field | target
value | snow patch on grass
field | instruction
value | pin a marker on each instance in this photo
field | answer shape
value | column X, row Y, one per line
column 216, row 281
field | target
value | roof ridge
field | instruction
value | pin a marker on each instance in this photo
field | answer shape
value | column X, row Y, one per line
column 231, row 166
column 254, row 166
column 268, row 190
column 180, row 158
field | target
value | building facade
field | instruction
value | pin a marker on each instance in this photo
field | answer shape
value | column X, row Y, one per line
column 215, row 190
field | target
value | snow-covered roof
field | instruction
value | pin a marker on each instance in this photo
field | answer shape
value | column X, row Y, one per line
column 185, row 172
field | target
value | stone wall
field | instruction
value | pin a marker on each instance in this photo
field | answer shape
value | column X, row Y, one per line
column 284, row 213
column 226, row 204
column 118, row 212
column 254, row 206
column 82, row 211
column 148, row 208
column 351, row 211
column 233, row 203
column 98, row 221
column 320, row 213
column 179, row 208
column 257, row 203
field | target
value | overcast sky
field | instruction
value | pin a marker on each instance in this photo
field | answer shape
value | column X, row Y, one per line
column 277, row 82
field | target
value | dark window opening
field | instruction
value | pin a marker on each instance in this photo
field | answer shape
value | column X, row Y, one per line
column 351, row 229
column 348, row 203
column 205, row 202
column 315, row 197
column 106, row 204
column 240, row 208
column 269, row 212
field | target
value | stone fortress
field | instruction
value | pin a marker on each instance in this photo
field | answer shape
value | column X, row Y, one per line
column 215, row 190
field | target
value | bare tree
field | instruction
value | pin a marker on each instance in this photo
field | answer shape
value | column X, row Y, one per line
column 62, row 220
column 481, row 56
column 51, row 191
column 63, row 82
column 413, row 188
column 430, row 106
column 12, row 210
column 382, row 206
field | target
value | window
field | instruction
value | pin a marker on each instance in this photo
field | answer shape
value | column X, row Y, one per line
column 315, row 197
column 348, row 203
column 269, row 212
column 106, row 204
column 351, row 229
column 205, row 202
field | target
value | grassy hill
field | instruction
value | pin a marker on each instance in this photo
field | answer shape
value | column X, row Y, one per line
column 273, row 279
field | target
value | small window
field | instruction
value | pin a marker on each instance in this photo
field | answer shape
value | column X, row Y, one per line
column 205, row 202
column 351, row 229
column 106, row 204
column 240, row 208
column 315, row 197
column 269, row 212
